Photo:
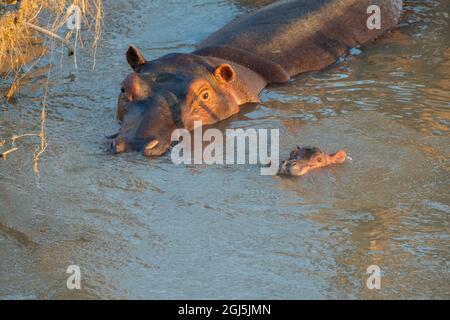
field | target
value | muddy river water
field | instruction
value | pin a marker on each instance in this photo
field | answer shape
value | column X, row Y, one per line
column 145, row 228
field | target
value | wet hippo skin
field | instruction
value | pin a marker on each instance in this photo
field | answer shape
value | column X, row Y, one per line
column 231, row 66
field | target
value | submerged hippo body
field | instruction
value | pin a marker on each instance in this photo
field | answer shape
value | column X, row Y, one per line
column 232, row 66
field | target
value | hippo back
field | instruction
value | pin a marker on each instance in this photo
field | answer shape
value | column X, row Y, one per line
column 305, row 35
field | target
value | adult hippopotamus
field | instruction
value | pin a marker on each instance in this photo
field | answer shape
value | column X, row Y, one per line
column 232, row 66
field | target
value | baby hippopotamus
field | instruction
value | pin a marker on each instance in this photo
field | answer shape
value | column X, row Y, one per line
column 302, row 160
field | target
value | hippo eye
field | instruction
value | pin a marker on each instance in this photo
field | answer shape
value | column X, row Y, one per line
column 122, row 89
column 205, row 96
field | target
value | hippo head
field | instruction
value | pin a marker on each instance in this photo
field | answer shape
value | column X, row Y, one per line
column 303, row 160
column 171, row 92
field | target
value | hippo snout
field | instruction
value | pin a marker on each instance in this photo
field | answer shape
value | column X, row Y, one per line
column 153, row 147
column 118, row 145
column 293, row 168
column 283, row 167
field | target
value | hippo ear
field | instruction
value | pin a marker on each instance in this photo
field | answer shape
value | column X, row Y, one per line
column 224, row 74
column 135, row 58
column 339, row 157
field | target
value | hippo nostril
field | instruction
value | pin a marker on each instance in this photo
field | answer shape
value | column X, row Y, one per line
column 150, row 146
column 118, row 146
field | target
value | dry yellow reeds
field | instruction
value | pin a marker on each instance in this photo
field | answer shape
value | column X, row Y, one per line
column 24, row 29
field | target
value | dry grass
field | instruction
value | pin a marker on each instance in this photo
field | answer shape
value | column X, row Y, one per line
column 29, row 33
column 18, row 41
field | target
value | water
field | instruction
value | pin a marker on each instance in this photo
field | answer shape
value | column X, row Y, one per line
column 145, row 228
